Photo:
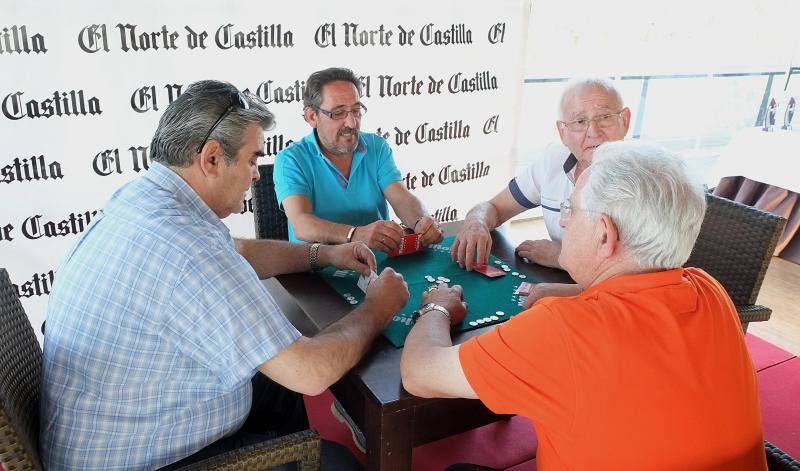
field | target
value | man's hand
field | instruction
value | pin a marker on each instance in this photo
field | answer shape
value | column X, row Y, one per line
column 472, row 244
column 387, row 294
column 450, row 298
column 381, row 235
column 353, row 256
column 430, row 231
column 542, row 290
column 544, row 252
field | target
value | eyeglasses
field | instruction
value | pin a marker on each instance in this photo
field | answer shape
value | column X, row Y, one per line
column 567, row 209
column 341, row 113
column 236, row 99
column 603, row 121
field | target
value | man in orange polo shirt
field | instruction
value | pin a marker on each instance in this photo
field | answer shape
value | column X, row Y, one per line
column 645, row 369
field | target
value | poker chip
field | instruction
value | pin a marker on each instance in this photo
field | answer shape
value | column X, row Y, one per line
column 500, row 313
column 497, row 262
column 445, row 279
column 522, row 276
column 353, row 301
column 487, row 319
column 504, row 266
column 494, row 318
column 473, row 323
column 480, row 321
column 506, row 269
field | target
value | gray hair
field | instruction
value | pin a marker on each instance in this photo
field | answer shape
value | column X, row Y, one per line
column 187, row 120
column 576, row 84
column 312, row 94
column 652, row 198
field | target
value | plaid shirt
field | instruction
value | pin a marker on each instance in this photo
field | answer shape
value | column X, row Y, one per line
column 154, row 328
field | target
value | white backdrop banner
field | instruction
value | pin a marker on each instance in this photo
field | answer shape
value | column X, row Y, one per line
column 83, row 85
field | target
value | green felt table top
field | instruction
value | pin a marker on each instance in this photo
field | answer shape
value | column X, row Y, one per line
column 486, row 297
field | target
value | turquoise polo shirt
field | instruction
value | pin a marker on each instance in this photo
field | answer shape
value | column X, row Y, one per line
column 302, row 169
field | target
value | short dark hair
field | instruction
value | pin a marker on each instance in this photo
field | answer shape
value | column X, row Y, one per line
column 312, row 96
column 187, row 120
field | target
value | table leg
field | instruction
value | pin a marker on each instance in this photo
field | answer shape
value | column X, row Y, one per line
column 388, row 436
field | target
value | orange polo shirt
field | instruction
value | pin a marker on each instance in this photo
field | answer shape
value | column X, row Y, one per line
column 640, row 372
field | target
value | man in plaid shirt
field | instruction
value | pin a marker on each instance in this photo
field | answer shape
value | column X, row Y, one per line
column 162, row 346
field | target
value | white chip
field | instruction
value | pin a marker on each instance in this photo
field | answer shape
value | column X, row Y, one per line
column 494, row 318
column 497, row 262
column 506, row 269
column 353, row 301
column 473, row 323
column 480, row 321
column 522, row 276
column 504, row 266
column 487, row 319
column 500, row 313
column 445, row 279
column 515, row 273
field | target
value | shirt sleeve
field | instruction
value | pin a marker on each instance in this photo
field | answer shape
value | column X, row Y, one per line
column 387, row 170
column 288, row 176
column 525, row 187
column 224, row 318
column 523, row 367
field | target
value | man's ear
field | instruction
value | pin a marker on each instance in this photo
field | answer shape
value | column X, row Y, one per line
column 608, row 236
column 310, row 116
column 211, row 158
column 561, row 131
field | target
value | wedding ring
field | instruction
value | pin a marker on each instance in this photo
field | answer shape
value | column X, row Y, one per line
column 383, row 240
column 432, row 287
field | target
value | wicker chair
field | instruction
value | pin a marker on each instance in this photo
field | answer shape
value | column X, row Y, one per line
column 20, row 372
column 271, row 222
column 735, row 246
column 777, row 460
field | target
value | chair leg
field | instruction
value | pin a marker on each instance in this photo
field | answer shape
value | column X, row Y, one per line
column 744, row 326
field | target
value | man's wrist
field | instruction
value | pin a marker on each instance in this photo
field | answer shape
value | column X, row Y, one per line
column 430, row 307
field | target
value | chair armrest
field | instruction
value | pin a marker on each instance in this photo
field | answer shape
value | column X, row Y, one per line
column 303, row 447
column 777, row 460
column 753, row 313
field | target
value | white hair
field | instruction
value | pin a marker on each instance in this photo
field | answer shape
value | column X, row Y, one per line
column 582, row 83
column 652, row 198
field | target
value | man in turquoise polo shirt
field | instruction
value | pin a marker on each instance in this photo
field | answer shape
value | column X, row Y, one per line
column 334, row 183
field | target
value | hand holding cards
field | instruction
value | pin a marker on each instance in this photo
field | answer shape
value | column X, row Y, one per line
column 364, row 281
column 408, row 244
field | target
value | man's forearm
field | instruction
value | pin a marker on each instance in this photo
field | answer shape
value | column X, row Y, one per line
column 484, row 212
column 313, row 229
column 273, row 257
column 311, row 365
column 431, row 332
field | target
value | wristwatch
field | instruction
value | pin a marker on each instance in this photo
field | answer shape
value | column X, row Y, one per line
column 426, row 308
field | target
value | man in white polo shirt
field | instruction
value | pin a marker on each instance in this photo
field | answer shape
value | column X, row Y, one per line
column 591, row 113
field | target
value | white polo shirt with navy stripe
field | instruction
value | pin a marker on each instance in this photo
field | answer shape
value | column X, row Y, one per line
column 547, row 182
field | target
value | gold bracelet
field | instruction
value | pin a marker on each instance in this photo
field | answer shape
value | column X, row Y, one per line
column 313, row 256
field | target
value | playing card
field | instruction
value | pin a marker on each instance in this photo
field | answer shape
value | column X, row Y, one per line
column 524, row 289
column 490, row 271
column 364, row 281
column 408, row 244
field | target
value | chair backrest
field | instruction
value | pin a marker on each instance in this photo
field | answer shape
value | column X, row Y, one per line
column 271, row 222
column 735, row 246
column 20, row 374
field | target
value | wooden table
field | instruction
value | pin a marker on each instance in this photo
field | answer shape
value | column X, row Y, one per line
column 392, row 420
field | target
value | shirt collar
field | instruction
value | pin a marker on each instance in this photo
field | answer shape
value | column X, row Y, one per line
column 570, row 163
column 166, row 178
column 358, row 153
column 637, row 282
